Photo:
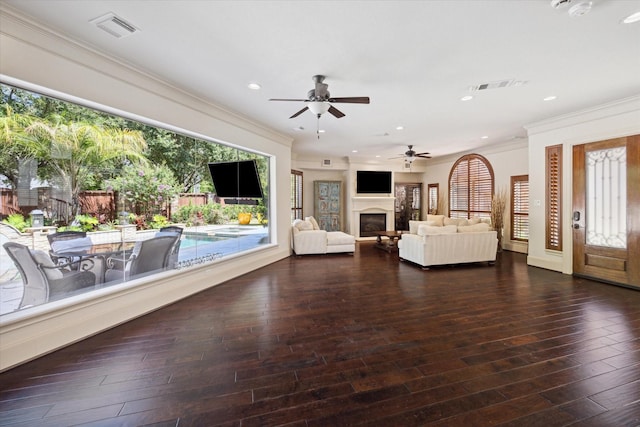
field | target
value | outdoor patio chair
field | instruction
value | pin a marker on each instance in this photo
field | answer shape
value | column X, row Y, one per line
column 167, row 231
column 45, row 281
column 67, row 241
column 148, row 256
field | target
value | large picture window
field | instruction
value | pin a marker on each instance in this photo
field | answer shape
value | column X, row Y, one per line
column 471, row 187
column 89, row 199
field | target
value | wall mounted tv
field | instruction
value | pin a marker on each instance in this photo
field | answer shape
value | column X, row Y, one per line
column 236, row 180
column 373, row 182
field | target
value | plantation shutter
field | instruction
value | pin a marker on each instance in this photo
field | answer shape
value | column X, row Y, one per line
column 296, row 195
column 470, row 187
column 554, row 196
column 520, row 207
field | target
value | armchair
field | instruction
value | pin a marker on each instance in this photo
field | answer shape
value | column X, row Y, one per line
column 45, row 281
column 148, row 256
column 168, row 231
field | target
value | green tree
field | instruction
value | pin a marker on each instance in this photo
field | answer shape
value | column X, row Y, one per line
column 14, row 143
column 72, row 152
column 145, row 189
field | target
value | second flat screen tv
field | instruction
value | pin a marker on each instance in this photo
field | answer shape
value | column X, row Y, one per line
column 373, row 182
column 236, row 179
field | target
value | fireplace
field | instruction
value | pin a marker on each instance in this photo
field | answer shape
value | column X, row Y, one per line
column 372, row 222
column 380, row 208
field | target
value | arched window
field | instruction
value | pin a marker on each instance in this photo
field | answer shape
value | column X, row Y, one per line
column 471, row 187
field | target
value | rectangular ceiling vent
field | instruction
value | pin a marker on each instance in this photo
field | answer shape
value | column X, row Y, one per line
column 326, row 163
column 496, row 85
column 114, row 25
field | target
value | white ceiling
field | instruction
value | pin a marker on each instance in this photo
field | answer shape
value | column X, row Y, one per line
column 414, row 59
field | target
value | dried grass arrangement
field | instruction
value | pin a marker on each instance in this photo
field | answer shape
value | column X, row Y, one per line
column 498, row 206
column 442, row 203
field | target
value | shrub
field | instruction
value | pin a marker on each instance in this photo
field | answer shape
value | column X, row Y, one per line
column 17, row 221
column 159, row 221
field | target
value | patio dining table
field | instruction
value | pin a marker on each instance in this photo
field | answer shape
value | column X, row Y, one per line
column 98, row 253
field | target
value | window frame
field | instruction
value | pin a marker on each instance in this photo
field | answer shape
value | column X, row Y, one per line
column 553, row 196
column 468, row 167
column 519, row 208
column 433, row 198
column 297, row 194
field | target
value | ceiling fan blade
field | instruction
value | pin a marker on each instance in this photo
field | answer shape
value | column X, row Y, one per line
column 351, row 100
column 336, row 113
column 297, row 100
column 423, row 155
column 299, row 112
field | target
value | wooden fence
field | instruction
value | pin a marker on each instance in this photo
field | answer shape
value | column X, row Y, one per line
column 101, row 204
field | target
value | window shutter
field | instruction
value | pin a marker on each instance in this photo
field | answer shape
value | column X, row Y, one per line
column 554, row 197
column 296, row 195
column 520, row 207
column 470, row 187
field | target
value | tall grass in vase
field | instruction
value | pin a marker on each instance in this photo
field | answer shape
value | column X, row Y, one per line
column 498, row 206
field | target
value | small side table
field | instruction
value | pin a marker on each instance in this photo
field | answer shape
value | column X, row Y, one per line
column 389, row 244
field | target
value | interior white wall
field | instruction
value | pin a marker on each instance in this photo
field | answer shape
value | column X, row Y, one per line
column 38, row 57
column 612, row 120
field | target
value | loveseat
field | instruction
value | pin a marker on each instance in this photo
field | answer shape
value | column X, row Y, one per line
column 307, row 238
column 442, row 241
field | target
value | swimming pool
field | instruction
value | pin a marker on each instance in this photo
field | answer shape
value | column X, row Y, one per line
column 190, row 240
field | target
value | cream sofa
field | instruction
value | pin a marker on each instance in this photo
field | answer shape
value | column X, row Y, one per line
column 441, row 241
column 307, row 238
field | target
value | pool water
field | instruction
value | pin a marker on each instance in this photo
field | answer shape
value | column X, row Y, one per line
column 191, row 240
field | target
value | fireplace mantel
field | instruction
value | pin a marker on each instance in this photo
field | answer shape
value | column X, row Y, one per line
column 371, row 205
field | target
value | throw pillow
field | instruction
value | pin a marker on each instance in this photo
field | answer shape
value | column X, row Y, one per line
column 476, row 228
column 413, row 225
column 304, row 226
column 474, row 221
column 430, row 230
column 439, row 219
column 455, row 221
column 313, row 222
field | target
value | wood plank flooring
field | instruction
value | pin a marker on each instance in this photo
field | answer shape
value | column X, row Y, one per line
column 354, row 340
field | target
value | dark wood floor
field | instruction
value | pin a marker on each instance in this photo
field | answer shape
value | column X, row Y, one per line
column 354, row 340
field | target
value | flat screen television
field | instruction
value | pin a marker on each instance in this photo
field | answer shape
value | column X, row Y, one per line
column 373, row 182
column 237, row 180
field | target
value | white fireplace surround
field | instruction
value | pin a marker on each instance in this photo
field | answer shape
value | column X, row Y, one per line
column 361, row 205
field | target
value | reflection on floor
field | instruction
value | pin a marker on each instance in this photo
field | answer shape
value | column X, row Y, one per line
column 199, row 245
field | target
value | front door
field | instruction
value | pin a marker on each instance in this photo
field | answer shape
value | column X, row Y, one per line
column 606, row 210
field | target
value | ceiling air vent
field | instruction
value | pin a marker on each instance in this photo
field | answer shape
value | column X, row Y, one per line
column 114, row 25
column 496, row 85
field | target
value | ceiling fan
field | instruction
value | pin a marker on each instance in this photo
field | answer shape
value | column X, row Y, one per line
column 319, row 100
column 410, row 155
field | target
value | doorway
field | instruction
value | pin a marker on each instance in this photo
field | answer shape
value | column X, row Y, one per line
column 407, row 204
column 606, row 210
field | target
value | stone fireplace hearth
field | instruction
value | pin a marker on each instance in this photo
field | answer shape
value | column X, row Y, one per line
column 371, row 205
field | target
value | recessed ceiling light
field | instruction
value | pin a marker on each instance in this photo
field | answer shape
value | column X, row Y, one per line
column 254, row 86
column 321, row 130
column 466, row 98
column 354, row 151
column 549, row 98
column 378, row 155
column 634, row 17
column 484, row 137
column 399, row 127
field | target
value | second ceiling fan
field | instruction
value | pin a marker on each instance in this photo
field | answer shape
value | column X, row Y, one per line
column 410, row 155
column 319, row 100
